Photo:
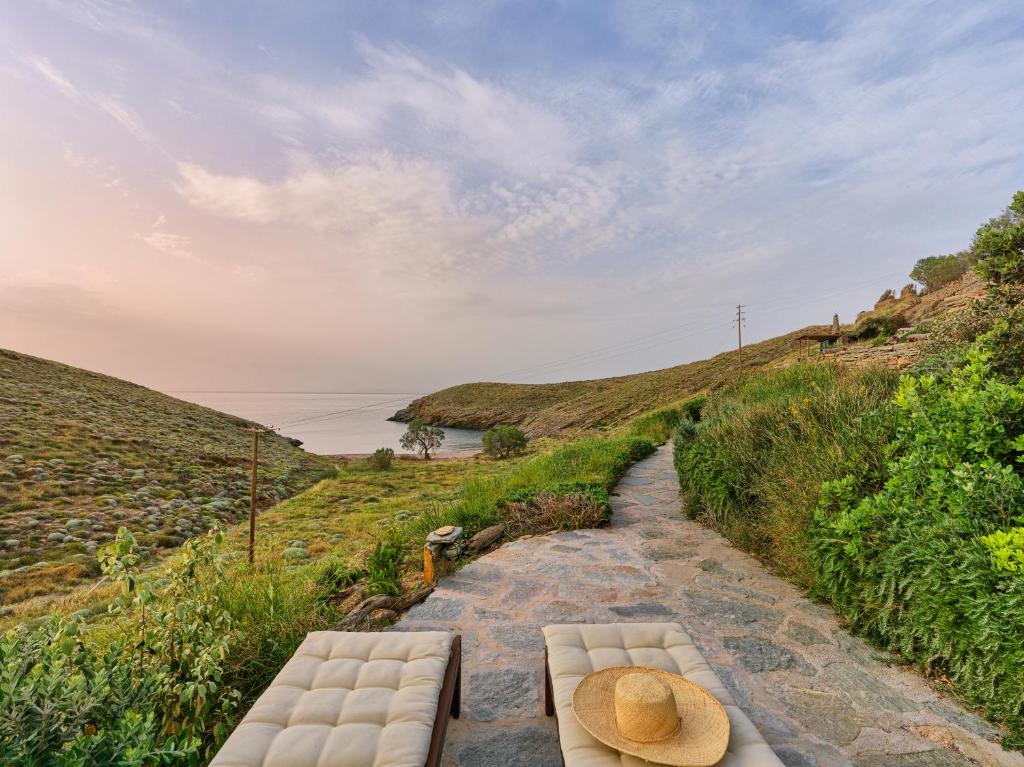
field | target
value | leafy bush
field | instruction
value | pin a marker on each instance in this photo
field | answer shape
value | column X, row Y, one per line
column 998, row 247
column 928, row 565
column 657, row 425
column 152, row 695
column 422, row 438
column 504, row 442
column 384, row 567
column 381, row 459
column 935, row 271
column 753, row 467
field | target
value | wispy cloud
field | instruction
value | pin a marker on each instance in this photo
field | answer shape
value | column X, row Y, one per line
column 177, row 245
column 53, row 75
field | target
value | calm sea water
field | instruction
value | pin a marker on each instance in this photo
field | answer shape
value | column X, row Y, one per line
column 361, row 429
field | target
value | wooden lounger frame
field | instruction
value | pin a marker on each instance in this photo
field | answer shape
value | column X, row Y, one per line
column 448, row 703
column 549, row 692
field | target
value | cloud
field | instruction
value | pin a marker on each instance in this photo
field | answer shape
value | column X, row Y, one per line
column 53, row 76
column 177, row 245
column 438, row 111
column 377, row 209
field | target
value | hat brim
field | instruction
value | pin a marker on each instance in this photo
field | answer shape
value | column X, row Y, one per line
column 700, row 741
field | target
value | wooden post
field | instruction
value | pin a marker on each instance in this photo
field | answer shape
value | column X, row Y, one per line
column 252, row 495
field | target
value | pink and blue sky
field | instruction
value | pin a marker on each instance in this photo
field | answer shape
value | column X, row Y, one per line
column 367, row 196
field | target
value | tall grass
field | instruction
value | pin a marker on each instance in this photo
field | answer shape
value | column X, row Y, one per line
column 753, row 467
column 657, row 426
column 589, row 466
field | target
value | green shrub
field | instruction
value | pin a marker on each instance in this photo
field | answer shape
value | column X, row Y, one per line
column 381, row 459
column 927, row 566
column 935, row 271
column 384, row 567
column 657, row 425
column 753, row 467
column 63, row 702
column 504, row 442
column 998, row 247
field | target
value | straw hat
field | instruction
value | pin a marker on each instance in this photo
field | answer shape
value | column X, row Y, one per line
column 654, row 715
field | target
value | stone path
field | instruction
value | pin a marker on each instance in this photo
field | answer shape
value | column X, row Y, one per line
column 819, row 696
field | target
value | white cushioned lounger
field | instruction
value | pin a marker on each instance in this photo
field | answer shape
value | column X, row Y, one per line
column 353, row 699
column 574, row 650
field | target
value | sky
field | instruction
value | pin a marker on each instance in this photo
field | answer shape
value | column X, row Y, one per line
column 377, row 197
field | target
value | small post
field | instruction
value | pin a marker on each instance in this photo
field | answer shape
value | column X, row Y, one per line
column 252, row 494
column 740, row 321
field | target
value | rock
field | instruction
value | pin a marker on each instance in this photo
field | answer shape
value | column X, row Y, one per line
column 730, row 610
column 805, row 634
column 295, row 552
column 867, row 691
column 12, row 543
column 759, row 655
column 297, row 544
column 642, row 610
column 75, row 524
column 514, row 746
column 484, row 539
column 523, row 639
column 708, row 581
column 495, row 693
column 15, row 459
column 936, row 758
column 55, row 537
column 437, row 609
column 827, row 716
column 794, row 757
column 111, row 501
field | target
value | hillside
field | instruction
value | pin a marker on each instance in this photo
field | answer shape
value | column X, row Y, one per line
column 82, row 454
column 548, row 409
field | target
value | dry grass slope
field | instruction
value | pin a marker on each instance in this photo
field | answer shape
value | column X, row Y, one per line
column 548, row 409
column 82, row 454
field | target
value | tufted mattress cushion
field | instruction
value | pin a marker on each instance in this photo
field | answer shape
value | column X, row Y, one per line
column 575, row 650
column 346, row 699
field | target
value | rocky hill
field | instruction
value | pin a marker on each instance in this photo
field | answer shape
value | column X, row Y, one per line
column 887, row 334
column 82, row 454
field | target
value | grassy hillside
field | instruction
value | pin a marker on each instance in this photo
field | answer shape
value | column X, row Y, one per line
column 545, row 409
column 82, row 454
column 548, row 409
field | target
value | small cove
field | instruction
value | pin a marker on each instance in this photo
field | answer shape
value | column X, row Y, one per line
column 330, row 423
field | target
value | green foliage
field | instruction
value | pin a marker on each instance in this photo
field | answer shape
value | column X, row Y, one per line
column 384, row 567
column 504, row 442
column 422, row 438
column 63, row 702
column 935, row 271
column 176, row 633
column 929, row 564
column 753, row 466
column 1007, row 549
column 381, row 459
column 998, row 247
column 657, row 425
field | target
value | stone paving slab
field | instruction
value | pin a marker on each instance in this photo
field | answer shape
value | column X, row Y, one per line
column 820, row 697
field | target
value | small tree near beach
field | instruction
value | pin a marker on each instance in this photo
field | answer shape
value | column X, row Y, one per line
column 504, row 442
column 422, row 438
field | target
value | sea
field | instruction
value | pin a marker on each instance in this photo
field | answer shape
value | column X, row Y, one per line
column 330, row 423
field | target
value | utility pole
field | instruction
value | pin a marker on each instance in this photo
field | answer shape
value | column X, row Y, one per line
column 252, row 492
column 739, row 322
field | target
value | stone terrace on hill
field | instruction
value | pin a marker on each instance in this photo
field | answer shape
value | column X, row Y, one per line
column 819, row 696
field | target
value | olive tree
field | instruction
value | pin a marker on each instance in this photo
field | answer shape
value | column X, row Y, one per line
column 422, row 438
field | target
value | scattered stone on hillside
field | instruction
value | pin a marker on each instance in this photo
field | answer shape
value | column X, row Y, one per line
column 15, row 459
column 12, row 543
